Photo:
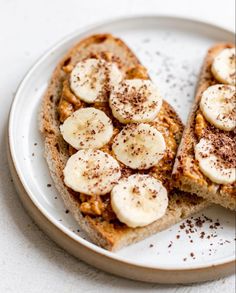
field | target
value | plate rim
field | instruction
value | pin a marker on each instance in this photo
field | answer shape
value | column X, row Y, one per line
column 27, row 76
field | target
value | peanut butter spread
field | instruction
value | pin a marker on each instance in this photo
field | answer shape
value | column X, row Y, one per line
column 166, row 122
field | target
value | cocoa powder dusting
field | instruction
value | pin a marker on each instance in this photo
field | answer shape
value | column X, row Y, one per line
column 224, row 148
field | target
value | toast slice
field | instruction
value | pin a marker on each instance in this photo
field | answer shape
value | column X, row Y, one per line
column 186, row 172
column 104, row 230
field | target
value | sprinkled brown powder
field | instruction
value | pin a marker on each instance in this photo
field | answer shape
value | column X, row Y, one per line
column 223, row 147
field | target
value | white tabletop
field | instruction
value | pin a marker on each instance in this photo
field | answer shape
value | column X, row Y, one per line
column 29, row 260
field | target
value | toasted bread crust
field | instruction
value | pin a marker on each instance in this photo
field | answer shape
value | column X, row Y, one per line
column 103, row 234
column 185, row 163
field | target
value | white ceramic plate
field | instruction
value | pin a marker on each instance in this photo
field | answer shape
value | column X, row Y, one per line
column 173, row 50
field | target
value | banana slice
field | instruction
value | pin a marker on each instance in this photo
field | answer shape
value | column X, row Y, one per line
column 92, row 172
column 139, row 200
column 224, row 66
column 87, row 128
column 139, row 146
column 92, row 79
column 135, row 100
column 211, row 156
column 218, row 104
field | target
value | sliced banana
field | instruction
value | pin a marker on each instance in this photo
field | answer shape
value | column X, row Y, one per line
column 92, row 79
column 224, row 66
column 139, row 200
column 139, row 146
column 212, row 165
column 92, row 172
column 135, row 100
column 87, row 128
column 218, row 104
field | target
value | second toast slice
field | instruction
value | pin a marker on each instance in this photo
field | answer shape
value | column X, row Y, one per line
column 186, row 172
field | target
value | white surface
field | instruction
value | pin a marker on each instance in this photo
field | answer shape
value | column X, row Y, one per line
column 29, row 261
column 179, row 48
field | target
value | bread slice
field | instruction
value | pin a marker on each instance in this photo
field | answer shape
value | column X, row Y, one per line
column 186, row 173
column 111, row 235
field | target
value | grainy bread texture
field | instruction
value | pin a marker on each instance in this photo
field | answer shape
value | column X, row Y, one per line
column 186, row 173
column 108, row 235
